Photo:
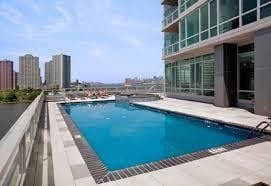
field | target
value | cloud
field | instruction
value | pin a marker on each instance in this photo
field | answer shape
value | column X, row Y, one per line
column 59, row 23
column 11, row 14
column 34, row 5
column 96, row 52
column 92, row 49
column 56, row 24
column 132, row 40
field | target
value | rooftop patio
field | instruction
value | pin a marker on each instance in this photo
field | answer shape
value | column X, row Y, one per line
column 245, row 166
column 56, row 158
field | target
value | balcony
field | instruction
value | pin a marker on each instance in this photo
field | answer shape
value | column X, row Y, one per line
column 169, row 2
column 169, row 21
column 171, row 49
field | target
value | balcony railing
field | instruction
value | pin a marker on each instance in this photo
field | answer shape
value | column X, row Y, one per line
column 174, row 48
column 170, row 18
column 16, row 145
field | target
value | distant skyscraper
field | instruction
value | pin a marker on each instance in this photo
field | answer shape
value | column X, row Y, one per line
column 6, row 75
column 15, row 80
column 29, row 73
column 58, row 72
column 47, row 73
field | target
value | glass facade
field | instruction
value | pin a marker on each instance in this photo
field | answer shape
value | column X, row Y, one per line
column 246, row 72
column 194, row 76
column 217, row 17
column 185, row 4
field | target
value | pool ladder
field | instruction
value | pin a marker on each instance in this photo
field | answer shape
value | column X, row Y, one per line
column 261, row 130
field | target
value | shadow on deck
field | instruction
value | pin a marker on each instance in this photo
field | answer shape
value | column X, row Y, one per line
column 40, row 168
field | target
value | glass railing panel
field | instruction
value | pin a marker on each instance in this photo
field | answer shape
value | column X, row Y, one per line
column 174, row 48
column 170, row 17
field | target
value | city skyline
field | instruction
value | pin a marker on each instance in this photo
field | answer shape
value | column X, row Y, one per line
column 119, row 43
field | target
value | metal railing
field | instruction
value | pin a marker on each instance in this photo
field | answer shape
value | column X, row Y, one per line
column 171, row 49
column 158, row 88
column 258, row 128
column 171, row 17
column 16, row 145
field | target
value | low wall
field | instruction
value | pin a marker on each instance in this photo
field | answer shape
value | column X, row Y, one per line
column 16, row 145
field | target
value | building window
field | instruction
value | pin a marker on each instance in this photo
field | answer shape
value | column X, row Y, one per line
column 228, row 9
column 249, row 18
column 193, row 28
column 185, row 4
column 265, row 11
column 246, row 72
column 190, row 3
column 228, row 17
column 168, row 77
column 248, row 5
column 249, row 11
column 208, row 75
column 229, row 25
column 265, row 1
column 204, row 19
column 194, row 76
column 213, row 13
column 183, row 33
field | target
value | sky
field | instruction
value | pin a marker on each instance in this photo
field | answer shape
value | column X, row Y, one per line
column 108, row 40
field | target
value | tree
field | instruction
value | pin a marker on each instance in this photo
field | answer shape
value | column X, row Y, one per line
column 11, row 97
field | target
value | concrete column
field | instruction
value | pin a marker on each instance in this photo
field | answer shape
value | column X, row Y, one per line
column 263, row 72
column 225, row 75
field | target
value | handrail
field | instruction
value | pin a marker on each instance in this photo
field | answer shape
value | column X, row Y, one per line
column 172, row 16
column 159, row 88
column 16, row 145
column 257, row 128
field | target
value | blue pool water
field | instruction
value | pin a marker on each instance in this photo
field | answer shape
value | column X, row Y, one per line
column 124, row 135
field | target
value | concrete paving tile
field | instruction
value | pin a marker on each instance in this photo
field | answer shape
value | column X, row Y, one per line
column 61, row 124
column 66, row 136
column 63, row 129
column 143, row 179
column 69, row 143
column 211, row 172
column 112, row 183
column 244, row 160
column 74, row 156
column 80, row 171
column 173, row 175
column 256, row 178
column 88, row 181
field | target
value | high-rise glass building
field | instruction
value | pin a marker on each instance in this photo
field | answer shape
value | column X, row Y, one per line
column 29, row 72
column 58, row 72
column 6, row 75
column 218, row 51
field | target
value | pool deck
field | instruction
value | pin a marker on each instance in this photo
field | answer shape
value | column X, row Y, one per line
column 230, row 115
column 245, row 166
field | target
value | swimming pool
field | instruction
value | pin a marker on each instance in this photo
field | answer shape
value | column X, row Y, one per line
column 125, row 135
